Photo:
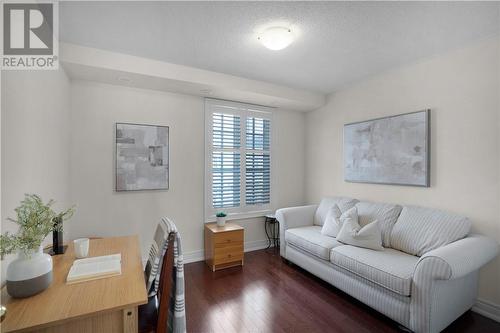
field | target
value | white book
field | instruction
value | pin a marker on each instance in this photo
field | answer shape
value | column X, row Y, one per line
column 90, row 260
column 95, row 268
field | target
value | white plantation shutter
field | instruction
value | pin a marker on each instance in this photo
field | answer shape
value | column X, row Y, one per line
column 238, row 158
column 226, row 179
column 258, row 182
column 226, row 130
column 258, row 133
column 258, row 161
column 226, row 160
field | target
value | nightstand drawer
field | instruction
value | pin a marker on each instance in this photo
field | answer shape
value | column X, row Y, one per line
column 229, row 238
column 228, row 254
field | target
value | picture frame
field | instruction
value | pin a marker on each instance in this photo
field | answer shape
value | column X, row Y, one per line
column 392, row 150
column 142, row 160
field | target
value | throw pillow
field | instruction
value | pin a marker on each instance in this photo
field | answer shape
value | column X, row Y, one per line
column 369, row 236
column 332, row 224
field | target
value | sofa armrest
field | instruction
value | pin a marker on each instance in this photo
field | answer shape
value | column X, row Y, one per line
column 293, row 217
column 459, row 258
column 445, row 282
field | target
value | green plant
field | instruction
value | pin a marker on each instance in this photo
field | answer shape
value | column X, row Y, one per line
column 221, row 214
column 36, row 220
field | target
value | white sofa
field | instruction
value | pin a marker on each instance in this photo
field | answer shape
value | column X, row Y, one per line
column 426, row 276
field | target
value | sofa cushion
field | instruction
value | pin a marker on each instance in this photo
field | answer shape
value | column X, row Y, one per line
column 311, row 240
column 326, row 203
column 389, row 268
column 420, row 230
column 386, row 215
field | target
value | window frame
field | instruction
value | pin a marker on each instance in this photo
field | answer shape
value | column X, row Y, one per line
column 244, row 111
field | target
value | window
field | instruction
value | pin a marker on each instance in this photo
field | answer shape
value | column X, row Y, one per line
column 238, row 159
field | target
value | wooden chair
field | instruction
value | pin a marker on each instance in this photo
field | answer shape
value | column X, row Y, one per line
column 153, row 316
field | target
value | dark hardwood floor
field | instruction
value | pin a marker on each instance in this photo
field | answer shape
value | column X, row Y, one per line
column 268, row 295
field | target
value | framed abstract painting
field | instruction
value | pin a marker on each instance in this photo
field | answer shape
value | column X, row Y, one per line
column 142, row 157
column 392, row 150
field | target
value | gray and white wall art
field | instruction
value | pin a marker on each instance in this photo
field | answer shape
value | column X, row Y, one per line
column 141, row 157
column 391, row 150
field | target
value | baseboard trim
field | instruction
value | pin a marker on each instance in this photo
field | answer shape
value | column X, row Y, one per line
column 487, row 309
column 255, row 245
column 199, row 255
column 194, row 256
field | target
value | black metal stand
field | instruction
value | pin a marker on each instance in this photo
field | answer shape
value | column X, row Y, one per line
column 272, row 229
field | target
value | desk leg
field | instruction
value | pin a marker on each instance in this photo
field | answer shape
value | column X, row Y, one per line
column 130, row 320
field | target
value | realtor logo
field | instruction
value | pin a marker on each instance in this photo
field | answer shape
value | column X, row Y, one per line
column 29, row 35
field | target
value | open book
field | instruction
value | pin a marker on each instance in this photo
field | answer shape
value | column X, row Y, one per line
column 95, row 268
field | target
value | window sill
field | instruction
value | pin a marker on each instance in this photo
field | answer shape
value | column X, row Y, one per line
column 242, row 216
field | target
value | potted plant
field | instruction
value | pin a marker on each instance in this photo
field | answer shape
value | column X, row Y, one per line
column 31, row 272
column 221, row 219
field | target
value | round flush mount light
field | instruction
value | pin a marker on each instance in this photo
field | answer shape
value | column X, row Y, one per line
column 276, row 38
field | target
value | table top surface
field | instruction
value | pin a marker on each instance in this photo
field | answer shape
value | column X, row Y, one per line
column 230, row 226
column 62, row 302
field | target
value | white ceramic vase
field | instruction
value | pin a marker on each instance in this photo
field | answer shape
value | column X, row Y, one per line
column 221, row 221
column 29, row 274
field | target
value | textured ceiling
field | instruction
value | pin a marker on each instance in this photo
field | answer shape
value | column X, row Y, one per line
column 337, row 42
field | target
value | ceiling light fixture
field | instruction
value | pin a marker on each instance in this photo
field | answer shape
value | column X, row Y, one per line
column 276, row 38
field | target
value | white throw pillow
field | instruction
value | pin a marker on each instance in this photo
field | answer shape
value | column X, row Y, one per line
column 332, row 224
column 369, row 236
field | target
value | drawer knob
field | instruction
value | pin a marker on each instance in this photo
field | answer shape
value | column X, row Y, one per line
column 229, row 256
column 228, row 240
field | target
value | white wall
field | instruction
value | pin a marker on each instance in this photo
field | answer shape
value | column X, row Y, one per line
column 35, row 141
column 96, row 107
column 462, row 90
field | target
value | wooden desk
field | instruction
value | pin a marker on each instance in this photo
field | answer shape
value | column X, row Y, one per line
column 105, row 305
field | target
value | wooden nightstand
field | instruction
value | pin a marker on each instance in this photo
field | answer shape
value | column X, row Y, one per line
column 223, row 245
